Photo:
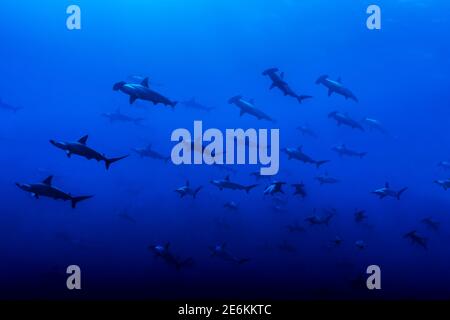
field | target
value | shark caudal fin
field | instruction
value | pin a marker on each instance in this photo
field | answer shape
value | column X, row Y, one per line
column 319, row 163
column 108, row 162
column 75, row 200
column 399, row 193
column 196, row 191
column 248, row 188
column 301, row 98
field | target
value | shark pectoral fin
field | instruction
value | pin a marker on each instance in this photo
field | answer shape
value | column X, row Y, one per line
column 330, row 91
column 132, row 99
column 272, row 86
column 68, row 153
column 242, row 113
column 35, row 195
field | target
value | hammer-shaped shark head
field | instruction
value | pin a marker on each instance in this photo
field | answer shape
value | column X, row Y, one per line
column 119, row 85
column 58, row 144
column 24, row 187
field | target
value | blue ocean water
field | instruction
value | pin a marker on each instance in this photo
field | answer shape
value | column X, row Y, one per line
column 213, row 50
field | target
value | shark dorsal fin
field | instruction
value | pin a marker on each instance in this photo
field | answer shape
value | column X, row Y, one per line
column 48, row 180
column 83, row 139
column 167, row 245
column 227, row 177
column 145, row 82
column 386, row 184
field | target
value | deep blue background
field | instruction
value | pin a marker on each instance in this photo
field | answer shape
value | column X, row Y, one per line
column 214, row 50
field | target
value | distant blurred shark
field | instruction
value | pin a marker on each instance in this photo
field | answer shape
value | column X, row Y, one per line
column 297, row 153
column 150, row 153
column 80, row 148
column 163, row 252
column 431, row 223
column 360, row 244
column 8, row 107
column 45, row 189
column 320, row 220
column 143, row 92
column 443, row 183
column 220, row 251
column 278, row 82
column 186, row 190
column 231, row 205
column 326, row 179
column 307, row 131
column 227, row 184
column 344, row 118
column 343, row 150
column 373, row 124
column 386, row 191
column 273, row 188
column 417, row 239
column 335, row 86
column 249, row 107
column 118, row 116
column 299, row 189
column 360, row 216
column 194, row 104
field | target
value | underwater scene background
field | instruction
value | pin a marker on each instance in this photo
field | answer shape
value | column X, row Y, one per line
column 62, row 81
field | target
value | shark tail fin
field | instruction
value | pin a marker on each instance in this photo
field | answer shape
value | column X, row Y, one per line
column 399, row 193
column 303, row 97
column 319, row 163
column 197, row 190
column 75, row 200
column 248, row 188
column 110, row 161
